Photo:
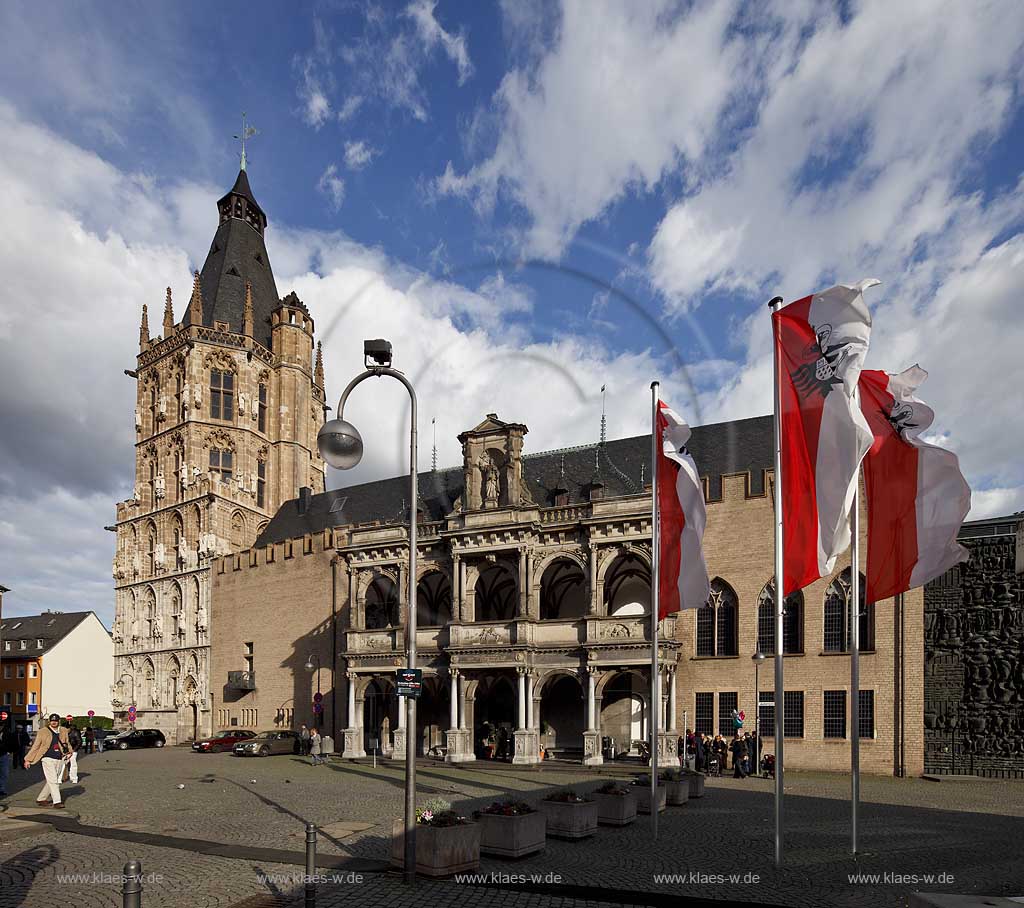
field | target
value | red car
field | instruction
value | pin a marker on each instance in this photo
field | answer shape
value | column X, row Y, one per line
column 221, row 740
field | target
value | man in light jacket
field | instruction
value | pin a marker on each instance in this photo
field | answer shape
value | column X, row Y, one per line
column 49, row 747
column 314, row 746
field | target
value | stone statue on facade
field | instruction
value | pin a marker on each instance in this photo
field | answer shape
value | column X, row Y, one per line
column 186, row 395
column 201, row 618
column 138, row 420
column 185, row 476
column 160, row 555
column 197, row 395
column 491, row 486
column 136, row 563
column 243, row 399
column 160, row 485
column 162, row 405
column 158, row 626
column 255, row 407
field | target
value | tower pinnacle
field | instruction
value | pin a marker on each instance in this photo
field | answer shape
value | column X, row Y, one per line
column 168, row 315
column 318, row 372
column 144, row 327
column 195, row 305
column 247, row 133
column 247, row 311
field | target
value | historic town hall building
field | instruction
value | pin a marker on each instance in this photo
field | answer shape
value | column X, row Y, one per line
column 533, row 607
column 229, row 403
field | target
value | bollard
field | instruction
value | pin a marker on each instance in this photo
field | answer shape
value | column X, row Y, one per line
column 131, row 891
column 310, row 865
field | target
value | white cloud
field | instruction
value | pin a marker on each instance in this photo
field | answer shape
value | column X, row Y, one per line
column 624, row 94
column 358, row 155
column 84, row 245
column 332, row 186
column 432, row 33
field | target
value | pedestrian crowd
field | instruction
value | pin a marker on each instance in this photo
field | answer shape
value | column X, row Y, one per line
column 714, row 755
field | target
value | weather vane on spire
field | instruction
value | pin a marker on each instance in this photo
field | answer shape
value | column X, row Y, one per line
column 247, row 133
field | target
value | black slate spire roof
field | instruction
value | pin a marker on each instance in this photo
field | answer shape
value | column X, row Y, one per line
column 238, row 255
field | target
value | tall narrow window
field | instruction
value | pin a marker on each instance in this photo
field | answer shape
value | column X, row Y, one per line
column 705, row 721
column 717, row 622
column 866, row 714
column 834, row 724
column 176, row 492
column 261, row 484
column 222, row 394
column 793, row 714
column 152, row 482
column 221, row 464
column 151, row 552
column 727, row 702
column 261, row 411
column 179, row 403
column 249, row 657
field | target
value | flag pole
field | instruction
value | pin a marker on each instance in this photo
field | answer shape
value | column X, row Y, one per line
column 654, row 713
column 855, row 664
column 780, row 597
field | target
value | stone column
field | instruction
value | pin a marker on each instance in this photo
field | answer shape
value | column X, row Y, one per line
column 521, row 714
column 524, row 585
column 403, row 594
column 457, row 578
column 592, row 608
column 398, row 735
column 454, row 710
column 353, row 606
column 525, row 738
column 457, row 737
column 354, row 732
column 672, row 717
column 462, row 702
column 592, row 755
column 467, row 603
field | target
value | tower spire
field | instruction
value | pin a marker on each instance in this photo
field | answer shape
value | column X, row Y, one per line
column 603, row 421
column 195, row 305
column 247, row 311
column 168, row 315
column 433, row 456
column 144, row 327
column 318, row 372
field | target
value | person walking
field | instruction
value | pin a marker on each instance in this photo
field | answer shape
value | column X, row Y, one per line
column 50, row 747
column 739, row 756
column 75, row 742
column 304, row 741
column 314, row 747
column 8, row 746
column 90, row 740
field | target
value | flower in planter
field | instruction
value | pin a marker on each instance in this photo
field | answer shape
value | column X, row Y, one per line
column 612, row 788
column 507, row 809
column 438, row 812
column 672, row 774
column 566, row 797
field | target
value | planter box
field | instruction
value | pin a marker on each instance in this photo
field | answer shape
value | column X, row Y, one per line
column 615, row 810
column 570, row 820
column 697, row 785
column 440, row 850
column 643, row 797
column 678, row 792
column 512, row 837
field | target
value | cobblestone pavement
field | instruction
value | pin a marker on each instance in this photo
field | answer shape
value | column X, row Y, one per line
column 969, row 830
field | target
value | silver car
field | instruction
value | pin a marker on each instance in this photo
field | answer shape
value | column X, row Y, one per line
column 267, row 743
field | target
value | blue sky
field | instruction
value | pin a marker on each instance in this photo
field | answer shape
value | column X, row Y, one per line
column 531, row 199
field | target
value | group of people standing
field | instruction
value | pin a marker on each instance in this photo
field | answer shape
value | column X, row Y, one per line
column 55, row 746
column 701, row 752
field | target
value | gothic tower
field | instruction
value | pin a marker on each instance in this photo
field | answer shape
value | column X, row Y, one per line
column 229, row 403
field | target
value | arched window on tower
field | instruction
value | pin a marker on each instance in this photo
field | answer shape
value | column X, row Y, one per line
column 261, row 409
column 237, row 531
column 222, row 394
column 151, row 550
column 261, row 484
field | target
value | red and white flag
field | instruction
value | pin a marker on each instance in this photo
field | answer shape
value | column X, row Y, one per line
column 916, row 495
column 683, row 576
column 821, row 342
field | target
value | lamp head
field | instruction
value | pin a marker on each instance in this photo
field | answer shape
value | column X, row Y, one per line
column 377, row 352
column 309, row 664
column 340, row 444
column 758, row 657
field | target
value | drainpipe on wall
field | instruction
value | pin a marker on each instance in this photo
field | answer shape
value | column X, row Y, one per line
column 334, row 648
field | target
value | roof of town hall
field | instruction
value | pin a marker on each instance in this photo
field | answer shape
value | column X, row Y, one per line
column 49, row 628
column 621, row 465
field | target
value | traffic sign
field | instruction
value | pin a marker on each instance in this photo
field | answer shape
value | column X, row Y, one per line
column 317, row 697
column 69, row 717
column 90, row 714
column 318, row 708
column 410, row 682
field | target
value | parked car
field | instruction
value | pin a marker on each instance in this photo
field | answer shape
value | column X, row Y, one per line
column 221, row 740
column 267, row 743
column 137, row 737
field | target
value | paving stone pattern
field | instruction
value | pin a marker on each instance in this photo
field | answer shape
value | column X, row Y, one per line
column 969, row 830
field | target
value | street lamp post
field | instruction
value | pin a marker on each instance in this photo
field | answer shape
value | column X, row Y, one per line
column 319, row 703
column 341, row 446
column 758, row 658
